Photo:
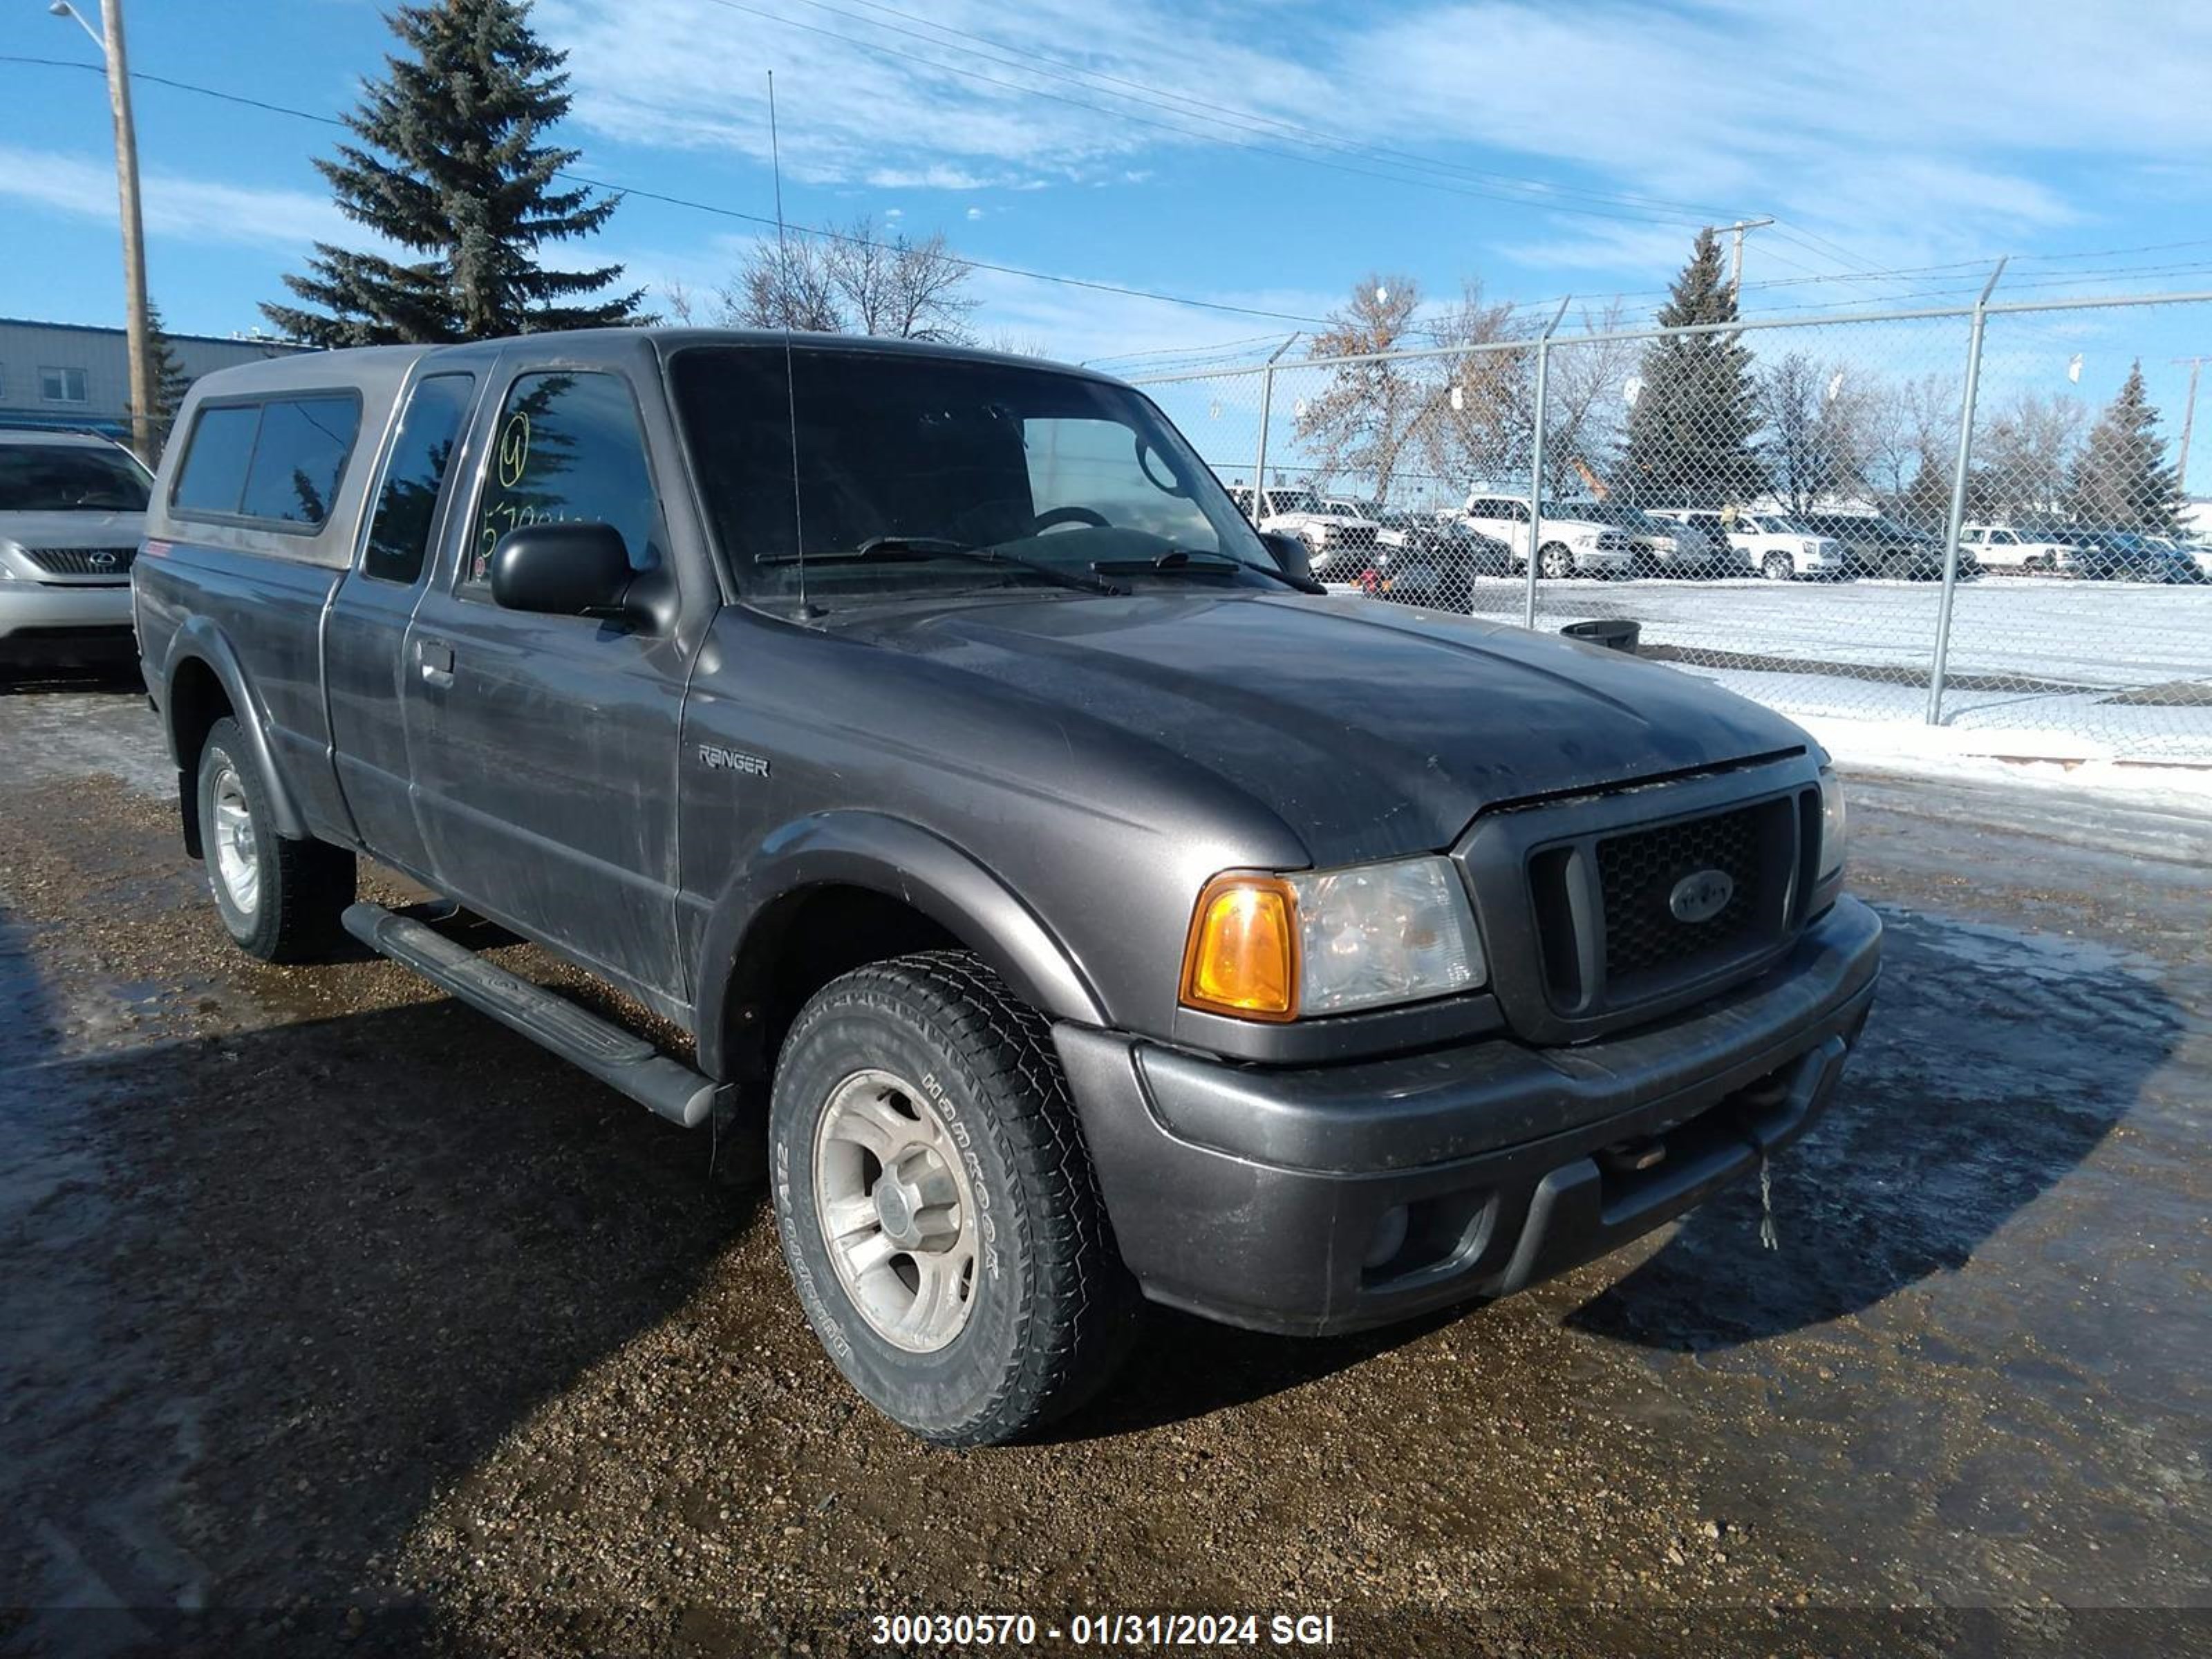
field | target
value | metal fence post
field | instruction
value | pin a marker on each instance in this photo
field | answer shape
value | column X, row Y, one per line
column 1536, row 457
column 1958, row 512
column 1266, row 414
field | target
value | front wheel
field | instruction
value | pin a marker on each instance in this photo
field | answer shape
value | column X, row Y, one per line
column 937, row 1206
column 1558, row 563
column 280, row 899
column 1778, row 568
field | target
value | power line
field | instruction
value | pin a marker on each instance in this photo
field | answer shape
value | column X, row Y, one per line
column 1854, row 277
column 1090, row 283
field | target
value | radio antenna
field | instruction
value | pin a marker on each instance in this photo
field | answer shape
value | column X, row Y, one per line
column 790, row 380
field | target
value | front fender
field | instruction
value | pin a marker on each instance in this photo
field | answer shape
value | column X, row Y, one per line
column 199, row 640
column 902, row 861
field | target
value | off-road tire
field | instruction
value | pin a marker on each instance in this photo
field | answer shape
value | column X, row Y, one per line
column 1054, row 1310
column 304, row 886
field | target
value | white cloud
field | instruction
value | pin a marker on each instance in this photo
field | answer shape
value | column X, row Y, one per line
column 1911, row 131
column 175, row 205
column 973, row 213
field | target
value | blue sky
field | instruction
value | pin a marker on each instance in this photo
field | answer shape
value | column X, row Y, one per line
column 1260, row 156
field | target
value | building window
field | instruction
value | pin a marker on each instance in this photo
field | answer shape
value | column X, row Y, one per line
column 62, row 385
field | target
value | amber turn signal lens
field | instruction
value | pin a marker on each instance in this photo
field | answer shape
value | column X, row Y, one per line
column 1242, row 959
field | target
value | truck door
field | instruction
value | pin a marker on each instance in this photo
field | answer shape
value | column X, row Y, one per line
column 364, row 640
column 545, row 748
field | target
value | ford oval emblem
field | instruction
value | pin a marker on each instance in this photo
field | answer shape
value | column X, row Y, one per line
column 1701, row 895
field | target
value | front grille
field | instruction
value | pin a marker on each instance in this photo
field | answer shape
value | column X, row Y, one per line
column 1637, row 876
column 1608, row 937
column 83, row 561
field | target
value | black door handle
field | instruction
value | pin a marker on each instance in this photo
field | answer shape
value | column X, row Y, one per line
column 436, row 658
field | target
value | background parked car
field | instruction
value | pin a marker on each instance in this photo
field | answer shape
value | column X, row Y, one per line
column 2124, row 556
column 1774, row 544
column 1426, row 560
column 72, row 511
column 2017, row 549
column 1663, row 546
column 1876, row 546
column 1339, row 545
column 1571, row 547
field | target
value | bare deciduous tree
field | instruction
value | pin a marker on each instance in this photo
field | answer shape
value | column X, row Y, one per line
column 1363, row 420
column 1588, row 424
column 1912, row 436
column 783, row 284
column 1474, row 415
column 1815, row 433
column 2024, row 456
column 857, row 281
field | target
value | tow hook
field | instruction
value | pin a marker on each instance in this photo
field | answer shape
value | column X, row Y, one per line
column 1638, row 1153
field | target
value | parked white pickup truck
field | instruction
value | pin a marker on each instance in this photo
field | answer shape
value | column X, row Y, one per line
column 2009, row 547
column 1571, row 547
column 1775, row 544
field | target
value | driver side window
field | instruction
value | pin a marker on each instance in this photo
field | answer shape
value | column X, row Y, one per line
column 567, row 449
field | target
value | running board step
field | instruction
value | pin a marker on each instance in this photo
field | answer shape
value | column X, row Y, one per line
column 620, row 1059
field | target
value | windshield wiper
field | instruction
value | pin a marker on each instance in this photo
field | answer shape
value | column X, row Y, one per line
column 887, row 549
column 1175, row 562
column 1178, row 562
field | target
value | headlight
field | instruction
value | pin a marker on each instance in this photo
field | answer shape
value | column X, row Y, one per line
column 1832, row 826
column 1330, row 942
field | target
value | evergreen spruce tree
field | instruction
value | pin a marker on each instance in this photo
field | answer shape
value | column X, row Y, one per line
column 2121, row 481
column 1690, row 436
column 452, row 167
column 170, row 381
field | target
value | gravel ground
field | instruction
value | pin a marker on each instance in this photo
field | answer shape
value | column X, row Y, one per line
column 337, row 1317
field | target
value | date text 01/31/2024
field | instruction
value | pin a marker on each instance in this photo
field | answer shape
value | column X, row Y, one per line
column 1111, row 1630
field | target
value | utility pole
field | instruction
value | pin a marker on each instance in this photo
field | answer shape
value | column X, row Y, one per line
column 2188, row 420
column 136, row 327
column 1736, row 259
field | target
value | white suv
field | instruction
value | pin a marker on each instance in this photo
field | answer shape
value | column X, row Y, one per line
column 72, row 512
column 1773, row 544
column 2008, row 547
column 1572, row 546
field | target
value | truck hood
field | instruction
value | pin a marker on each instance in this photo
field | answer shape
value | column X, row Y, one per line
column 1368, row 730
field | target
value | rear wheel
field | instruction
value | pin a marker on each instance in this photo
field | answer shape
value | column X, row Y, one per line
column 1778, row 568
column 937, row 1206
column 279, row 899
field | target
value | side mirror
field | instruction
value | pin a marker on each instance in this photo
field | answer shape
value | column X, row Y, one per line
column 1292, row 558
column 562, row 570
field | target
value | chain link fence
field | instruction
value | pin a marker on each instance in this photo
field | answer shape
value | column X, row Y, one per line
column 1922, row 516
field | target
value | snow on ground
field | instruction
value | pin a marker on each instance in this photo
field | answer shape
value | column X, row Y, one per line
column 2080, row 671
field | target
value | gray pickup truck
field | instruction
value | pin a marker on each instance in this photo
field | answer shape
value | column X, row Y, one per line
column 1067, row 904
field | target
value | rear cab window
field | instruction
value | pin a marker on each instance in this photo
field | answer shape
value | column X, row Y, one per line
column 414, row 474
column 273, row 462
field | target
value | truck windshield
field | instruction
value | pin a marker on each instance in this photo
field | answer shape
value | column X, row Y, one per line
column 62, row 478
column 1045, row 468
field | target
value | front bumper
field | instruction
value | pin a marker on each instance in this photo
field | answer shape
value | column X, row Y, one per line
column 1595, row 558
column 1318, row 1200
column 64, row 622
